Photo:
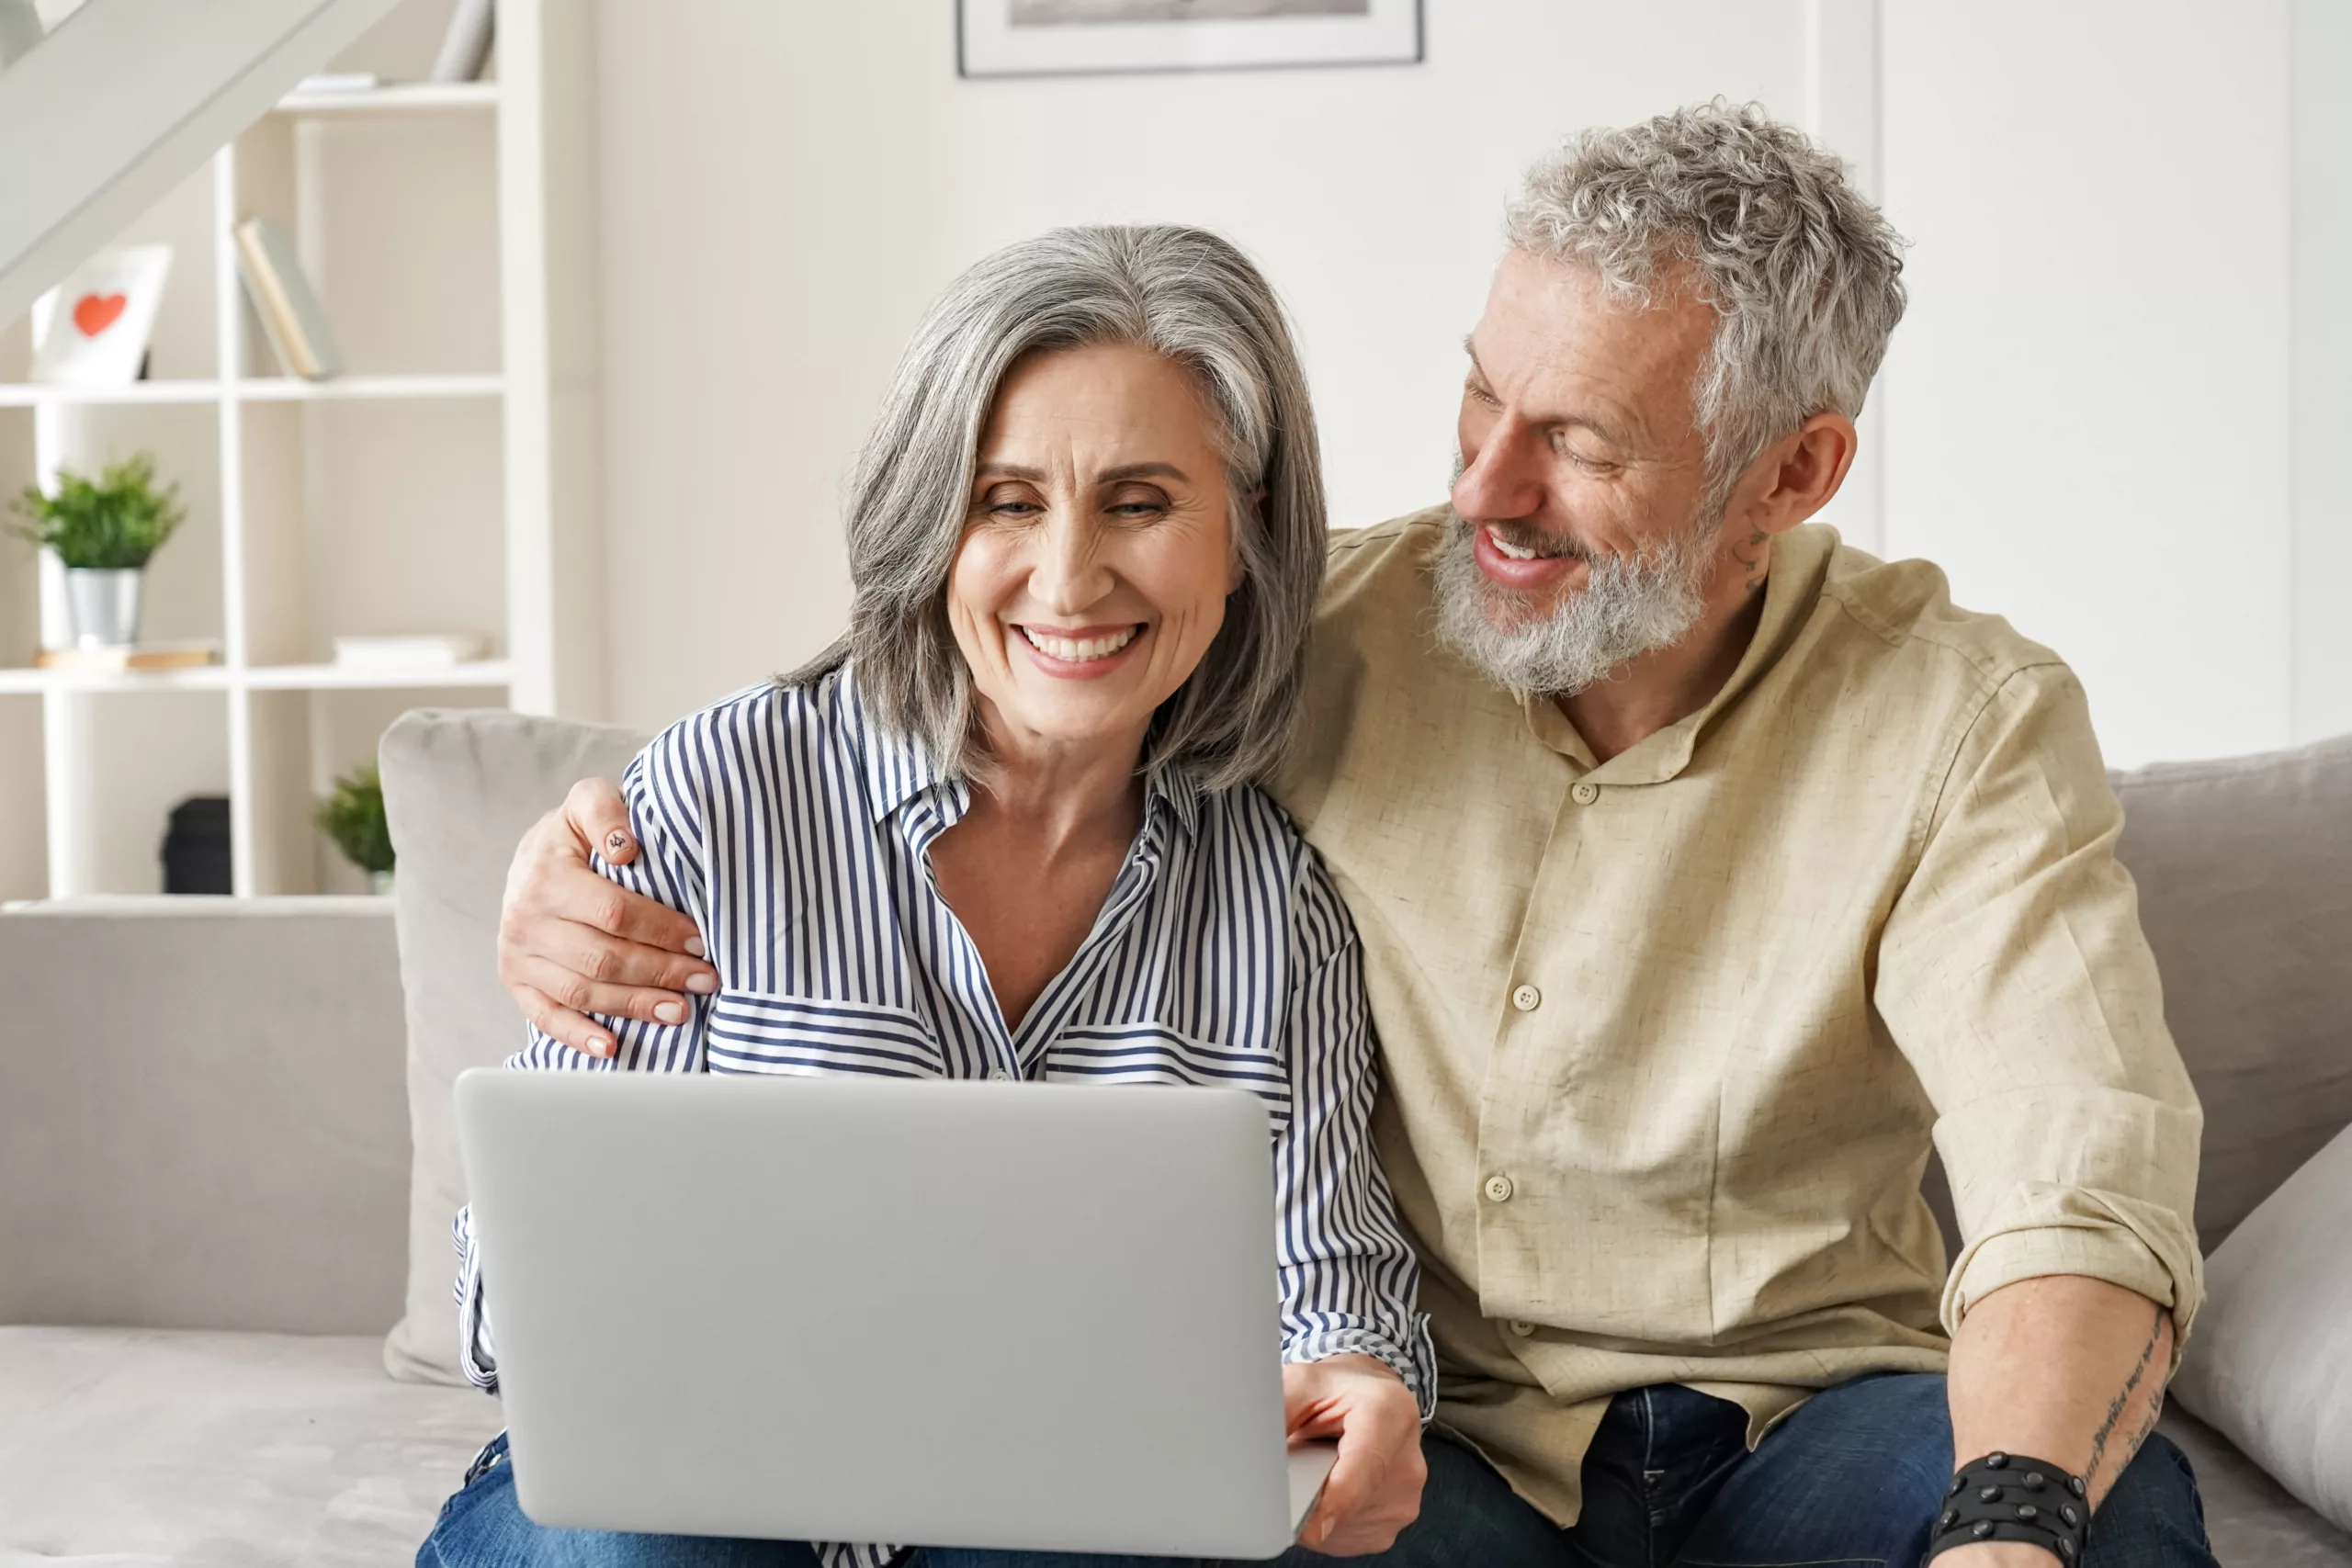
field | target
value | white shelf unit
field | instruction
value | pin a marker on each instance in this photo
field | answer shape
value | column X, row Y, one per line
column 445, row 484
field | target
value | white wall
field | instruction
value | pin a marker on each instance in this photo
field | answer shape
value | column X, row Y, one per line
column 787, row 188
column 2322, row 45
column 2087, row 413
column 2088, row 417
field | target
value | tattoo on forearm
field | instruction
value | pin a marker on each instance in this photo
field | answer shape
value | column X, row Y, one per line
column 2123, row 1402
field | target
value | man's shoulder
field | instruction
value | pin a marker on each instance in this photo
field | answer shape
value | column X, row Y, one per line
column 1384, row 565
column 1907, row 606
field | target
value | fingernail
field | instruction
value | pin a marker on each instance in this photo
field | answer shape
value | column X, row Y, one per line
column 600, row 1047
column 670, row 1012
column 702, row 985
column 694, row 947
column 615, row 843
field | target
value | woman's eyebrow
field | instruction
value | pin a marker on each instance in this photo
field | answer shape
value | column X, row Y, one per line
column 1143, row 472
column 1009, row 471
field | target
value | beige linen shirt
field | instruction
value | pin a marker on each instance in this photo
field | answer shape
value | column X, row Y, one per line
column 1667, row 1037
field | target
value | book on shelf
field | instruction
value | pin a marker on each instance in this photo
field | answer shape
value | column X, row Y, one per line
column 465, row 47
column 425, row 652
column 131, row 657
column 281, row 296
column 340, row 82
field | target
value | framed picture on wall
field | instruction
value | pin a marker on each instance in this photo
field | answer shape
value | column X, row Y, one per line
column 1050, row 37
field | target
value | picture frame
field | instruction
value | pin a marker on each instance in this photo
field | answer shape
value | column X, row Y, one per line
column 1057, row 38
column 93, row 329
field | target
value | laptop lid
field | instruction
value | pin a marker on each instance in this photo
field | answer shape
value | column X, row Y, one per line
column 1015, row 1315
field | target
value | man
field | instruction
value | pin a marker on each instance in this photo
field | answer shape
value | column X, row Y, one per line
column 1709, row 874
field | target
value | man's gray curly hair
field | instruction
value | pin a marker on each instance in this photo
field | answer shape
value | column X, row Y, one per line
column 1805, row 275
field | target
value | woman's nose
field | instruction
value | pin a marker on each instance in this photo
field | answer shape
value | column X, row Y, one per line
column 1070, row 573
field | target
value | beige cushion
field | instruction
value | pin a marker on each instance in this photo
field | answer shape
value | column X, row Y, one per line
column 201, row 1117
column 132, row 1448
column 2271, row 1365
column 2245, row 870
column 460, row 787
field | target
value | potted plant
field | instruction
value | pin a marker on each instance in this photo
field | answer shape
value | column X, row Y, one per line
column 105, row 532
column 353, row 817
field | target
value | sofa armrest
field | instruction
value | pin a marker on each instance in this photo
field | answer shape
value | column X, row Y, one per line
column 203, row 1116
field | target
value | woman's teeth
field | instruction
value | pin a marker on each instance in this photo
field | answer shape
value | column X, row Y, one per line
column 1507, row 550
column 1078, row 650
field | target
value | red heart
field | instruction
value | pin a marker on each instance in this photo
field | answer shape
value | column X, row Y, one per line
column 95, row 313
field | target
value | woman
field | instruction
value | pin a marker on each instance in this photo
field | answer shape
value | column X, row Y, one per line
column 1007, row 828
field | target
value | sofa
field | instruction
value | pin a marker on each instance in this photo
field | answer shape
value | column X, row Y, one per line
column 225, row 1172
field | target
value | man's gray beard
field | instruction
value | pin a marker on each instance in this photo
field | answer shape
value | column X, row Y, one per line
column 1629, row 605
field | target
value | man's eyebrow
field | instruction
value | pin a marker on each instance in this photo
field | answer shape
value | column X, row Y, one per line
column 1593, row 422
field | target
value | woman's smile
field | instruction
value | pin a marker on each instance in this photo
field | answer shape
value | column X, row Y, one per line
column 1080, row 653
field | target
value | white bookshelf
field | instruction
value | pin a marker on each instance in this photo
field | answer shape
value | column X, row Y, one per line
column 445, row 484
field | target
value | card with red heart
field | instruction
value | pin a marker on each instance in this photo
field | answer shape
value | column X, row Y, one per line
column 92, row 330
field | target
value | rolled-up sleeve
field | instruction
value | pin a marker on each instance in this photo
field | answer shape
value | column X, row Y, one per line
column 2014, row 976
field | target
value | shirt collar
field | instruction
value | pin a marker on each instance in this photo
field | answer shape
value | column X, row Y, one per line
column 899, row 768
column 1800, row 565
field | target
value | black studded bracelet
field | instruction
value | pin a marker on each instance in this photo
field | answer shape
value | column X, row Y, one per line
column 2010, row 1498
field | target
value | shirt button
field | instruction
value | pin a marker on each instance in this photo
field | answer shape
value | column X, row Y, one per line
column 1521, row 1327
column 1584, row 792
column 1526, row 998
column 998, row 1074
column 1499, row 1187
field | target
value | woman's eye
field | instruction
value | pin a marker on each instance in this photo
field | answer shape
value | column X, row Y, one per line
column 1014, row 509
column 1137, row 508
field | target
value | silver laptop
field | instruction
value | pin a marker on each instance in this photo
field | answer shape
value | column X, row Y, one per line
column 1014, row 1316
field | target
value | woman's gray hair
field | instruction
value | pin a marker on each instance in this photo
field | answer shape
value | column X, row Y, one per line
column 1803, row 272
column 1180, row 292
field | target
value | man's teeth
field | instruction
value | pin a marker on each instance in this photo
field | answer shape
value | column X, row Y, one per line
column 1078, row 650
column 1507, row 550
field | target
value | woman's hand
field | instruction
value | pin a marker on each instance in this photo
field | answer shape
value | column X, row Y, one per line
column 571, row 942
column 1374, row 1489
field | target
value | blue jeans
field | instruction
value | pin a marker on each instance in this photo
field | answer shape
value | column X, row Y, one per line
column 484, row 1527
column 1852, row 1480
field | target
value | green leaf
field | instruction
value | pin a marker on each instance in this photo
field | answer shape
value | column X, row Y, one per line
column 353, row 817
column 115, row 523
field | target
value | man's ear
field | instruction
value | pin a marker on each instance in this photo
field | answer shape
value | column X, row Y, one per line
column 1797, row 475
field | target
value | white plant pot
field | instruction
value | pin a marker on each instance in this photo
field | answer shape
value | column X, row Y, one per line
column 380, row 883
column 103, row 605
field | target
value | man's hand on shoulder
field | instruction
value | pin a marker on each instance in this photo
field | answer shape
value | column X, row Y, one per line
column 571, row 942
column 1374, row 1489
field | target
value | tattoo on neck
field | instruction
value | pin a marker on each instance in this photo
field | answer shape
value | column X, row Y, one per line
column 1756, row 564
column 2123, row 1401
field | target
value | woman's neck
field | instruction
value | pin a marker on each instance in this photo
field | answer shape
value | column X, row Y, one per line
column 1061, row 795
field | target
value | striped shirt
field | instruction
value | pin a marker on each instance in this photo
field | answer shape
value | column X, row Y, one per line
column 796, row 833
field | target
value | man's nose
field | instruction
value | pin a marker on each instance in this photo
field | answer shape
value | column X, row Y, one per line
column 1504, row 479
